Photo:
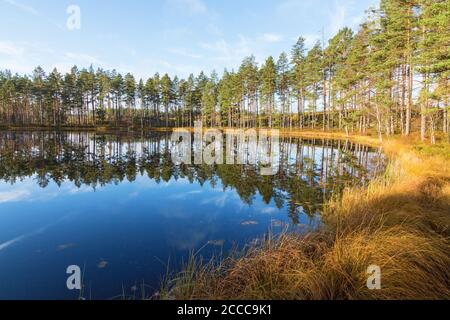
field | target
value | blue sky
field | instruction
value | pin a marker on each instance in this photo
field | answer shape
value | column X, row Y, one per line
column 174, row 36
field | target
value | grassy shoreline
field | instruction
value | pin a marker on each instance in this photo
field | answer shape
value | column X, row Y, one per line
column 400, row 222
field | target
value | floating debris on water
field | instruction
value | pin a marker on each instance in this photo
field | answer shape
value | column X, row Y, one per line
column 249, row 223
column 217, row 243
column 66, row 246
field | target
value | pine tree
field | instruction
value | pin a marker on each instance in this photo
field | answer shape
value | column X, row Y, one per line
column 166, row 96
column 54, row 91
column 38, row 91
column 268, row 87
column 208, row 103
column 130, row 95
column 313, row 79
column 434, row 63
column 299, row 77
column 283, row 73
column 248, row 72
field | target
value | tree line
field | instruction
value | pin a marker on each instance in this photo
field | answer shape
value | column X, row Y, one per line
column 392, row 76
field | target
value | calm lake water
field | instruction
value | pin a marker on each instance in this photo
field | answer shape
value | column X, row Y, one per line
column 118, row 207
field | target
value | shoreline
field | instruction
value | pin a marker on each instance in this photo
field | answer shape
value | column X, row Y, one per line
column 297, row 133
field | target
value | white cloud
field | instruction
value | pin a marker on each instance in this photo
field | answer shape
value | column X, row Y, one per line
column 183, row 195
column 311, row 39
column 23, row 7
column 10, row 49
column 22, row 57
column 269, row 210
column 162, row 66
column 6, row 244
column 81, row 58
column 272, row 37
column 337, row 17
column 33, row 11
column 79, row 190
column 184, row 53
column 13, row 196
column 230, row 54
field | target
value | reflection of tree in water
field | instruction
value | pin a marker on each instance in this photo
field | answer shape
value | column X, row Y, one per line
column 310, row 172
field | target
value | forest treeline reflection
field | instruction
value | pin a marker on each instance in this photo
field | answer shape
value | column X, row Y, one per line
column 310, row 170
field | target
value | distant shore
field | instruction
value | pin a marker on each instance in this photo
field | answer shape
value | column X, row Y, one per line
column 369, row 139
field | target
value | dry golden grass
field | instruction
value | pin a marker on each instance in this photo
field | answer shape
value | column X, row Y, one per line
column 400, row 222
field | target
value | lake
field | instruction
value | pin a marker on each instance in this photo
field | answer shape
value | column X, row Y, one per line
column 118, row 206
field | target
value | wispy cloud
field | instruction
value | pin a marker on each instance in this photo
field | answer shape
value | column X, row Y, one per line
column 337, row 16
column 219, row 201
column 23, row 237
column 13, row 196
column 23, row 7
column 272, row 37
column 229, row 53
column 184, row 53
column 189, row 6
column 19, row 56
column 82, row 58
column 78, row 190
column 184, row 195
column 311, row 39
column 294, row 7
column 269, row 210
column 155, row 64
column 10, row 49
column 31, row 10
column 9, row 243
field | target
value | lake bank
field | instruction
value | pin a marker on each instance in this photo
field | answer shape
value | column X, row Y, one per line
column 400, row 222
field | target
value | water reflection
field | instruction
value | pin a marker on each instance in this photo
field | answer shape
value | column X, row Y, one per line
column 310, row 171
column 119, row 207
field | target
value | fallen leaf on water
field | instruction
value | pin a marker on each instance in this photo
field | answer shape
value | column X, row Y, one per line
column 249, row 223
